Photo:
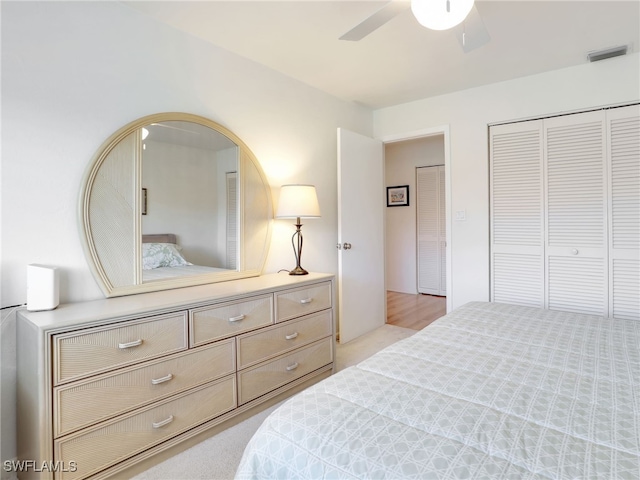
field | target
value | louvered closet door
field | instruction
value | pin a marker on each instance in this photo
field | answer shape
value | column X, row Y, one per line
column 431, row 233
column 517, row 241
column 442, row 230
column 623, row 133
column 232, row 220
column 576, row 221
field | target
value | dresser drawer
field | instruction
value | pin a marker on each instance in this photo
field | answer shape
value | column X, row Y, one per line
column 302, row 301
column 226, row 319
column 88, row 402
column 258, row 380
column 255, row 347
column 106, row 444
column 96, row 350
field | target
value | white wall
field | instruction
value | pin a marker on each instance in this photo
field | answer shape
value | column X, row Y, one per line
column 468, row 114
column 75, row 72
column 401, row 160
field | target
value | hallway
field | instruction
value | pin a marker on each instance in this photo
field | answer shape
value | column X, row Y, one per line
column 414, row 311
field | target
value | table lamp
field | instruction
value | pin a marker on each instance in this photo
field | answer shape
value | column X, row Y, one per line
column 298, row 201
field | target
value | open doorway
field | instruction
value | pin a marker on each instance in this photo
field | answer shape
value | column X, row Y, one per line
column 415, row 239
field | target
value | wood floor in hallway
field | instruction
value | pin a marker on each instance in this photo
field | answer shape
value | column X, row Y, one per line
column 414, row 311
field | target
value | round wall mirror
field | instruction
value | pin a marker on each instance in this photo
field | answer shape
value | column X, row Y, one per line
column 174, row 200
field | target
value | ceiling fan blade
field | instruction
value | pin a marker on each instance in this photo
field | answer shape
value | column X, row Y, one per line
column 375, row 21
column 472, row 33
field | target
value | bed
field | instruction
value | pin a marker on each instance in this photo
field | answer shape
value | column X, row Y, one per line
column 162, row 259
column 488, row 391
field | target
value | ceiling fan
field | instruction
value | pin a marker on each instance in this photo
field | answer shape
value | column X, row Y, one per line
column 460, row 15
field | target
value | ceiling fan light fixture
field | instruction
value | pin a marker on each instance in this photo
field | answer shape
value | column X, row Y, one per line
column 440, row 14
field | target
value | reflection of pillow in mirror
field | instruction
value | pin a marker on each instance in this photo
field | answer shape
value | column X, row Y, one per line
column 155, row 255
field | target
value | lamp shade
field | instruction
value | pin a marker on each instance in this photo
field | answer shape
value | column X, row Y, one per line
column 440, row 14
column 298, row 201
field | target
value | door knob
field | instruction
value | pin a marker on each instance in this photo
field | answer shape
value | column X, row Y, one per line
column 344, row 245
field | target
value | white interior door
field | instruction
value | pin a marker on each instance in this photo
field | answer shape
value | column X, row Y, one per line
column 431, row 228
column 442, row 230
column 361, row 202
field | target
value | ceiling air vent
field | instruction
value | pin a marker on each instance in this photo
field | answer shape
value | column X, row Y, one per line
column 607, row 53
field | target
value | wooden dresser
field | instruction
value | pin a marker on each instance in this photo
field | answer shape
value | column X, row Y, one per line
column 104, row 385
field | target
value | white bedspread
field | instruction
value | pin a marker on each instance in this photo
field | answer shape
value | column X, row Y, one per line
column 489, row 391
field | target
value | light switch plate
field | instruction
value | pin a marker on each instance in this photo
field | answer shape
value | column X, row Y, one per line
column 461, row 215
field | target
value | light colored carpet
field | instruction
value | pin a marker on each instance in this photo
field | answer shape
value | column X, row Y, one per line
column 218, row 457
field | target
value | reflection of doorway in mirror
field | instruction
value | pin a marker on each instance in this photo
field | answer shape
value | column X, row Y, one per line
column 232, row 220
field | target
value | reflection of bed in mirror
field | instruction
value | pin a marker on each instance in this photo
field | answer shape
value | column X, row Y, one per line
column 162, row 259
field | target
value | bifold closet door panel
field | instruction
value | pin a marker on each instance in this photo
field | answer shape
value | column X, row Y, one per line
column 576, row 220
column 623, row 135
column 517, row 213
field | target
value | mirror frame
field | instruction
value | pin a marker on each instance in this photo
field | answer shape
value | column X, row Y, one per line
column 111, row 264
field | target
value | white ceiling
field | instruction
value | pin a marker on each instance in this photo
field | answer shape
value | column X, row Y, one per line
column 403, row 61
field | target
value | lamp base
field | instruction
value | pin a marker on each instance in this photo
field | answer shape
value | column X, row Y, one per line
column 298, row 271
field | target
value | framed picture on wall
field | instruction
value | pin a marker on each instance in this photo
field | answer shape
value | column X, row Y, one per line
column 398, row 196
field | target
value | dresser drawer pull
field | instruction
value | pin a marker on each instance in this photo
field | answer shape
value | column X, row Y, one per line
column 293, row 366
column 236, row 319
column 135, row 343
column 163, row 422
column 156, row 381
column 304, row 301
column 292, row 336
